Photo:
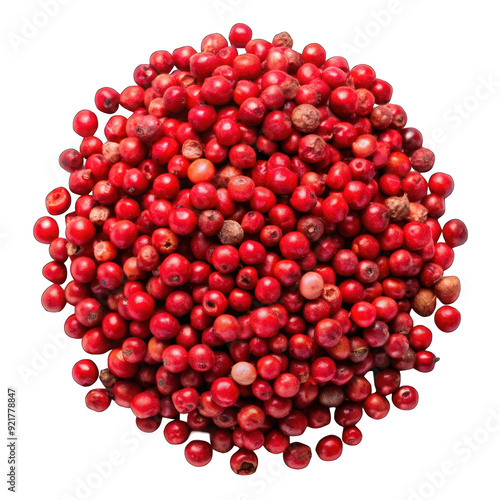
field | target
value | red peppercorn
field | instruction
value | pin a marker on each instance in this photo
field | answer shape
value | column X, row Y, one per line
column 85, row 123
column 97, row 400
column 297, row 455
column 447, row 319
column 198, row 453
column 85, row 372
column 329, row 448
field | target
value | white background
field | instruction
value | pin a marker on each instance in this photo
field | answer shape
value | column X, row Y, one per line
column 437, row 55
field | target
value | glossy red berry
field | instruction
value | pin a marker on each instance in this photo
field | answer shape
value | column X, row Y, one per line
column 46, row 230
column 405, row 398
column 198, row 453
column 447, row 319
column 244, row 462
column 329, row 448
column 297, row 455
column 85, row 123
column 85, row 372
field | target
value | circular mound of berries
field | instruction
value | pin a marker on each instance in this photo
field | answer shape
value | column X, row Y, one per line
column 248, row 245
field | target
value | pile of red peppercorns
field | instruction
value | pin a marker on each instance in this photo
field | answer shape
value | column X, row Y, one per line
column 248, row 245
